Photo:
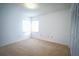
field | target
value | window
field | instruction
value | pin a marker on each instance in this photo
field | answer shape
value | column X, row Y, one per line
column 29, row 27
column 26, row 26
column 35, row 26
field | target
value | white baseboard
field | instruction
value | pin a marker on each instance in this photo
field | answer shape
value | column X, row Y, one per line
column 51, row 40
column 13, row 41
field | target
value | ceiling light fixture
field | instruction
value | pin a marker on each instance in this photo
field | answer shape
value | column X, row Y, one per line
column 31, row 5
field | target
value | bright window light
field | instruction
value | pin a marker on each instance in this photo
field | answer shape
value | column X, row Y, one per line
column 29, row 27
column 26, row 26
column 35, row 26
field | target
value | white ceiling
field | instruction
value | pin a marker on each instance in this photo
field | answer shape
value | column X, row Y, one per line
column 44, row 8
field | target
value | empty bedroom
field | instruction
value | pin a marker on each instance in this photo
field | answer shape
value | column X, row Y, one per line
column 39, row 29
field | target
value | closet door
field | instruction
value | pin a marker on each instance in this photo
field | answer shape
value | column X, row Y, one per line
column 75, row 30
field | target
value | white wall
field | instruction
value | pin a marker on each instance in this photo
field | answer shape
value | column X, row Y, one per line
column 11, row 17
column 55, row 24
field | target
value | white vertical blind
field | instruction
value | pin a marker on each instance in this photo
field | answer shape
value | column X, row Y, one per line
column 26, row 28
column 35, row 26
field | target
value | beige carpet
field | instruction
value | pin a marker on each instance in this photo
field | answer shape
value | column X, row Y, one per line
column 34, row 47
